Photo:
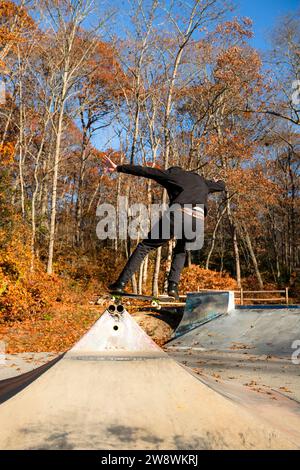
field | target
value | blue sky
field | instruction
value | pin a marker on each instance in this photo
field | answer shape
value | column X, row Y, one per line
column 264, row 14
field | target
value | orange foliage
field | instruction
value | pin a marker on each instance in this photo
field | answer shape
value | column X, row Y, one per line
column 23, row 294
column 236, row 28
column 195, row 277
column 7, row 151
column 57, row 330
column 255, row 192
column 87, row 271
column 13, row 21
column 233, row 145
column 233, row 64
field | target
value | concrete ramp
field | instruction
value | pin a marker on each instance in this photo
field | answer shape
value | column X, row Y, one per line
column 202, row 307
column 115, row 389
column 261, row 331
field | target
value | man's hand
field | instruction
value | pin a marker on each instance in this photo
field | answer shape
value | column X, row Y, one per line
column 110, row 166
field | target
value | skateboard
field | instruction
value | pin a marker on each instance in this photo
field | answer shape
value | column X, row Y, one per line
column 156, row 301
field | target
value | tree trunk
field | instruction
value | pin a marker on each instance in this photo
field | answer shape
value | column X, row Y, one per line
column 167, row 134
column 140, row 286
column 234, row 243
column 44, row 192
column 236, row 256
column 145, row 271
column 213, row 240
column 33, row 205
column 78, row 212
column 168, row 264
column 54, row 191
column 253, row 258
column 21, row 143
column 155, row 289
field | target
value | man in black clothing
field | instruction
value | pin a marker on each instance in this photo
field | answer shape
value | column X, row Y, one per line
column 183, row 188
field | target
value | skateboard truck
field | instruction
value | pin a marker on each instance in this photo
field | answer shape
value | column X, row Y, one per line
column 155, row 301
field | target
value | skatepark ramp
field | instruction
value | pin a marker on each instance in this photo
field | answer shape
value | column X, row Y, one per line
column 263, row 331
column 116, row 389
column 202, row 307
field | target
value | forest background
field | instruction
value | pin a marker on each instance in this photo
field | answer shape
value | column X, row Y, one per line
column 150, row 82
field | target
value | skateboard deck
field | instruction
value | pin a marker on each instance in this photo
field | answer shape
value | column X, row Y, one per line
column 156, row 301
column 141, row 296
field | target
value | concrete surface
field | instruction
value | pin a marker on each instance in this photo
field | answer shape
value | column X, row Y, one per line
column 266, row 331
column 107, row 393
column 249, row 346
column 13, row 365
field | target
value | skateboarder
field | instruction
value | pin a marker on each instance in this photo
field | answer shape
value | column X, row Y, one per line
column 183, row 188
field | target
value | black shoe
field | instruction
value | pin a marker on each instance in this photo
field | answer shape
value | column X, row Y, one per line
column 173, row 290
column 117, row 287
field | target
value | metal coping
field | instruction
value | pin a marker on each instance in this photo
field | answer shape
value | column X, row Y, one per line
column 119, row 357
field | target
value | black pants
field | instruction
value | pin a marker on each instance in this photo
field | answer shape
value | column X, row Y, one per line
column 149, row 244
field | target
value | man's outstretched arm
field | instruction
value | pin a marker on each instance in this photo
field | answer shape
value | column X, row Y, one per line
column 215, row 186
column 161, row 176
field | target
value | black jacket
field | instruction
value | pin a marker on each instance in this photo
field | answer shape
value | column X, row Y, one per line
column 183, row 187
